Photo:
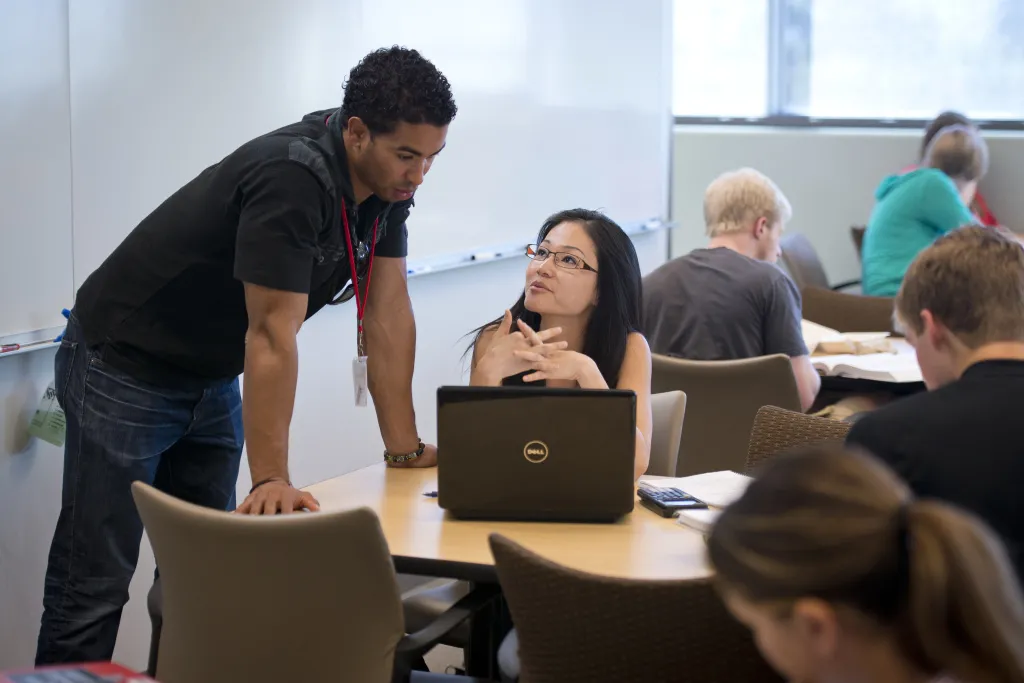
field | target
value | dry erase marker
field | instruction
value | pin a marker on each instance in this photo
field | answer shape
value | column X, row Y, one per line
column 7, row 348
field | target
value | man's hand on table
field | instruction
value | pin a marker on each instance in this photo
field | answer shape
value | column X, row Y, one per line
column 428, row 459
column 276, row 497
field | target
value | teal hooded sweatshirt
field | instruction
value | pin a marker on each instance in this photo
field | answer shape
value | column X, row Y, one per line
column 912, row 211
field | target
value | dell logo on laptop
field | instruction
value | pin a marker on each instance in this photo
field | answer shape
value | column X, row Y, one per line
column 536, row 452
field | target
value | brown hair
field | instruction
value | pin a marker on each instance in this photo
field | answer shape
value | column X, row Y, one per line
column 959, row 152
column 839, row 526
column 972, row 281
column 943, row 120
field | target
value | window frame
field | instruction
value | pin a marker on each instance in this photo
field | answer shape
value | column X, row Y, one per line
column 782, row 77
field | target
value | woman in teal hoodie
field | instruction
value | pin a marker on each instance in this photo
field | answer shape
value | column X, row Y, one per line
column 914, row 209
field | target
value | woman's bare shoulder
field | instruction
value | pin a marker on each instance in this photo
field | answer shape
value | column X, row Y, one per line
column 636, row 343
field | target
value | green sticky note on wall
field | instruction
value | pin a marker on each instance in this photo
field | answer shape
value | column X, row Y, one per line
column 48, row 423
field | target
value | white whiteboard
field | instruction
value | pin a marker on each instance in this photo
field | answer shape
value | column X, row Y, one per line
column 562, row 103
column 36, row 280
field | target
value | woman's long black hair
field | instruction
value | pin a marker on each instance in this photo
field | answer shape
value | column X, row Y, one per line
column 619, row 292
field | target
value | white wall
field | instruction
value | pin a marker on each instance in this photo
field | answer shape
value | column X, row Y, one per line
column 829, row 176
column 329, row 435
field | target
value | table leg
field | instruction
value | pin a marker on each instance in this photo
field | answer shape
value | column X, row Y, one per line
column 487, row 628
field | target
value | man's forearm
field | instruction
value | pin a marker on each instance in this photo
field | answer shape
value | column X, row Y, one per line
column 271, row 372
column 391, row 351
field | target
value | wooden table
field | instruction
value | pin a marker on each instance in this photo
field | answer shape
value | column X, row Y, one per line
column 425, row 540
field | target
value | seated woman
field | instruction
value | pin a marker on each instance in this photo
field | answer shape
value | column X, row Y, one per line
column 979, row 207
column 914, row 209
column 843, row 576
column 575, row 325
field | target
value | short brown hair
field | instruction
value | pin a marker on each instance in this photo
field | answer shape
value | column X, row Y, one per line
column 972, row 281
column 943, row 120
column 959, row 152
column 841, row 527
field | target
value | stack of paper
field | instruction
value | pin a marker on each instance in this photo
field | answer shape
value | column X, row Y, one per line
column 701, row 520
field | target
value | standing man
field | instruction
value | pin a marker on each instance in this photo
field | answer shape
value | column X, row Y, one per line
column 215, row 282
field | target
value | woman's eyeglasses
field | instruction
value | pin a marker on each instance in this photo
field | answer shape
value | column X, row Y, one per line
column 563, row 259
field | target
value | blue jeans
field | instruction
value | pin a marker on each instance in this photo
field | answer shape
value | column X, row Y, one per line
column 121, row 430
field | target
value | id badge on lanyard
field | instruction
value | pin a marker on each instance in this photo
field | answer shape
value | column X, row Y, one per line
column 360, row 384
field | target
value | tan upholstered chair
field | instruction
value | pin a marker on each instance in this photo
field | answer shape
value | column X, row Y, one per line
column 847, row 312
column 574, row 627
column 802, row 263
column 669, row 410
column 270, row 599
column 777, row 431
column 722, row 398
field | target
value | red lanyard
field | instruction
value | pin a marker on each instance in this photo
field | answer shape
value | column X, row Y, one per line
column 360, row 302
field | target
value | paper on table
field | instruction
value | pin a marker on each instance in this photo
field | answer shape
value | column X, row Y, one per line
column 717, row 489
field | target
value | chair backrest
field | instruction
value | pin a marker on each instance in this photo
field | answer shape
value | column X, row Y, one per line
column 722, row 398
column 669, row 410
column 847, row 312
column 577, row 627
column 857, row 235
column 776, row 431
column 802, row 263
column 268, row 599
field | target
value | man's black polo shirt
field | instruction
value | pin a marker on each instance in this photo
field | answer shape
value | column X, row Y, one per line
column 168, row 307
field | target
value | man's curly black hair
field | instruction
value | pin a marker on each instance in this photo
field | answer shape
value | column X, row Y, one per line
column 396, row 84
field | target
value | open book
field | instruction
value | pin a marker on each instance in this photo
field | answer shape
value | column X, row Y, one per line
column 890, row 367
column 860, row 355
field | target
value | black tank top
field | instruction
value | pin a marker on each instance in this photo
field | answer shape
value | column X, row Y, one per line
column 517, row 381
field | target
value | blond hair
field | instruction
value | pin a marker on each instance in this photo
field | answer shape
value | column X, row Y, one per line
column 972, row 281
column 735, row 200
column 839, row 526
column 958, row 151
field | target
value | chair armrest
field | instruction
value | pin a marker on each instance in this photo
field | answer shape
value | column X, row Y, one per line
column 426, row 638
column 845, row 285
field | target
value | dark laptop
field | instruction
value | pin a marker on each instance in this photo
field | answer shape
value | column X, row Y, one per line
column 533, row 453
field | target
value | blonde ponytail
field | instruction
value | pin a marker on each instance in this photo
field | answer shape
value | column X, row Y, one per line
column 964, row 614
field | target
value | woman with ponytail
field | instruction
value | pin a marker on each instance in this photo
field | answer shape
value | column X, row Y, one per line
column 845, row 578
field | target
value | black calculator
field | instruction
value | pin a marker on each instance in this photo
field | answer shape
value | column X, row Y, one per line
column 667, row 502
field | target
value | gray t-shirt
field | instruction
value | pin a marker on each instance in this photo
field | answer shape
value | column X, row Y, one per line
column 717, row 304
